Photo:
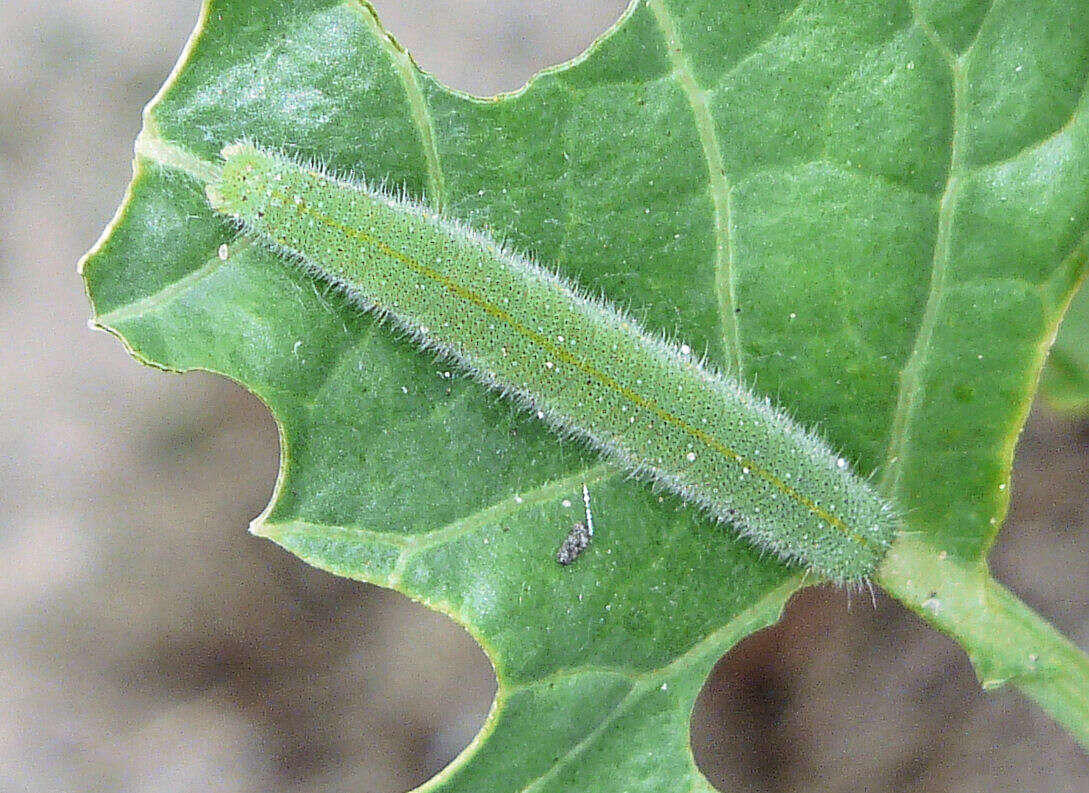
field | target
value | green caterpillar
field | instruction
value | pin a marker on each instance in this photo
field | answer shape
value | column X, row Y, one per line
column 580, row 364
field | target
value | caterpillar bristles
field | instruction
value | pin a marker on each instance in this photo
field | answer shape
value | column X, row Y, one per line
column 585, row 368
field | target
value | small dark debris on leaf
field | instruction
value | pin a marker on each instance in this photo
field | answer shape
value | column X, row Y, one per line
column 574, row 544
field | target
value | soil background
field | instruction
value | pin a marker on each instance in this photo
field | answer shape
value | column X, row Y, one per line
column 149, row 643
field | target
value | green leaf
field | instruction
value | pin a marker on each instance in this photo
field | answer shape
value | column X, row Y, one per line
column 876, row 211
column 1065, row 380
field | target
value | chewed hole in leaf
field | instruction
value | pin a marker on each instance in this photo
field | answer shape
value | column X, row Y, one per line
column 805, row 697
column 854, row 200
column 738, row 734
column 486, row 48
column 323, row 675
column 424, row 684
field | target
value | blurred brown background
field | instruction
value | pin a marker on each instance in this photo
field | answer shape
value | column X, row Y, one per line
column 148, row 643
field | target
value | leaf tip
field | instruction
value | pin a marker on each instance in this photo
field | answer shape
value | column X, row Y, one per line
column 259, row 527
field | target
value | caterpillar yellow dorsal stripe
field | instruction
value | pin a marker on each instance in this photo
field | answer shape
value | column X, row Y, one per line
column 580, row 364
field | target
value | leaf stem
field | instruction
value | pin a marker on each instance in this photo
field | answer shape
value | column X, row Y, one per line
column 1006, row 641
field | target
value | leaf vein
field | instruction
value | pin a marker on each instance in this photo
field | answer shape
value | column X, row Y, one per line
column 979, row 31
column 740, row 624
column 409, row 75
column 911, row 377
column 162, row 297
column 1058, row 132
column 419, row 543
column 696, row 96
column 350, row 345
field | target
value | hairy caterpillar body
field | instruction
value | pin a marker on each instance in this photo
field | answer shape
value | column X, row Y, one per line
column 579, row 363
